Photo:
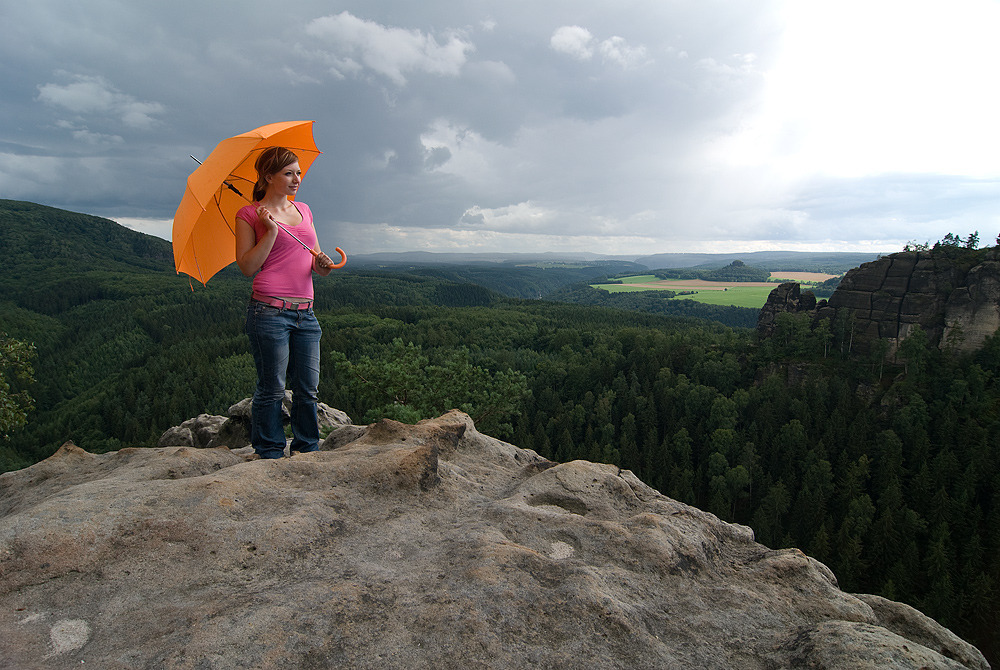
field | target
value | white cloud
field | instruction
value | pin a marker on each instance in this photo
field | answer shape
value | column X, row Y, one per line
column 297, row 77
column 523, row 217
column 903, row 90
column 97, row 139
column 738, row 65
column 162, row 228
column 573, row 41
column 616, row 50
column 391, row 52
column 97, row 96
column 580, row 43
column 460, row 151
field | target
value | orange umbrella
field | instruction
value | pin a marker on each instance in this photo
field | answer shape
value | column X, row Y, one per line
column 204, row 226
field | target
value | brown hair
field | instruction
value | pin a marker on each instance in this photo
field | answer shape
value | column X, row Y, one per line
column 270, row 162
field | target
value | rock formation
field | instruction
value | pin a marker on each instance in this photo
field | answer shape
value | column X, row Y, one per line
column 427, row 546
column 952, row 294
column 787, row 297
column 206, row 431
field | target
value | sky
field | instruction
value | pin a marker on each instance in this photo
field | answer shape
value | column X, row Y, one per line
column 620, row 127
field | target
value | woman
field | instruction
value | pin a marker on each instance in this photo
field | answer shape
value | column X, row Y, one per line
column 284, row 333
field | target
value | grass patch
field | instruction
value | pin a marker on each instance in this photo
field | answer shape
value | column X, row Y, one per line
column 750, row 296
column 626, row 284
column 737, row 294
column 625, row 288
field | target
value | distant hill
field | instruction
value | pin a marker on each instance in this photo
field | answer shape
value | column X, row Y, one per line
column 30, row 233
column 413, row 258
column 789, row 261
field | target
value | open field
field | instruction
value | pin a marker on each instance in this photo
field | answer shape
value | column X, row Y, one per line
column 682, row 285
column 744, row 295
column 804, row 277
column 739, row 294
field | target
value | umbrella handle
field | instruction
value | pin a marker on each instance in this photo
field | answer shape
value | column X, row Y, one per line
column 343, row 258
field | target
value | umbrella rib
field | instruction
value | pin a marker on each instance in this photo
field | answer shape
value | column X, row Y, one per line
column 218, row 206
column 198, row 266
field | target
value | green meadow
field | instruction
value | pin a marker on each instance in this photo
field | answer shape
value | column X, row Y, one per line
column 627, row 284
column 626, row 288
column 750, row 296
column 735, row 294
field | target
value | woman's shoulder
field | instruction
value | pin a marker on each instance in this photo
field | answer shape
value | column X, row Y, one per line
column 248, row 213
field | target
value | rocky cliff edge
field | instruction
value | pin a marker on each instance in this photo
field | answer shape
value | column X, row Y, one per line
column 428, row 546
column 952, row 294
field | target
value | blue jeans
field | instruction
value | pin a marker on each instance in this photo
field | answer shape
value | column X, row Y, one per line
column 283, row 341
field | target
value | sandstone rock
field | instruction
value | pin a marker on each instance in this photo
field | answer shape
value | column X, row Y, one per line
column 209, row 431
column 328, row 416
column 957, row 306
column 428, row 546
column 197, row 432
column 787, row 297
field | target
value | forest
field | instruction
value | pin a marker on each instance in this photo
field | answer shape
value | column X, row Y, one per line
column 889, row 474
column 735, row 271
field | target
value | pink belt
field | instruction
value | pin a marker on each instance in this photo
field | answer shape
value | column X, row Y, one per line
column 279, row 303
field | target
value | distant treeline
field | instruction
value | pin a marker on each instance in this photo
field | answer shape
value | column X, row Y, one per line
column 656, row 302
column 519, row 281
column 737, row 271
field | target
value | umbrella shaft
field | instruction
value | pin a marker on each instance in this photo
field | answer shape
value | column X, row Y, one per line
column 304, row 246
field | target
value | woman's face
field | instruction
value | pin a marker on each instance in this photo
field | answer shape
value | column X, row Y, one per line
column 286, row 180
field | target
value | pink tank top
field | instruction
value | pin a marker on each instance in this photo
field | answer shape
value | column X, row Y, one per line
column 287, row 270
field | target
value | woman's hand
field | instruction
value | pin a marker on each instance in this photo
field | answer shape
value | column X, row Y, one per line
column 323, row 264
column 251, row 252
column 266, row 219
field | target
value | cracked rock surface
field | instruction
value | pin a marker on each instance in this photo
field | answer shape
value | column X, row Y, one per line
column 396, row 546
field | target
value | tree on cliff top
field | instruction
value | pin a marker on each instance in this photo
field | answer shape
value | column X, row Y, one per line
column 15, row 367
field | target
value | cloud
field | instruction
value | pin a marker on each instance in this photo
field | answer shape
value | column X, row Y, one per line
column 391, row 52
column 526, row 126
column 580, row 44
column 907, row 96
column 460, row 151
column 616, row 50
column 573, row 41
column 523, row 217
column 742, row 64
column 159, row 227
column 90, row 95
column 83, row 134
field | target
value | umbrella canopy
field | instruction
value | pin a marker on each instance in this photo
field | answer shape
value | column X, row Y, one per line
column 204, row 230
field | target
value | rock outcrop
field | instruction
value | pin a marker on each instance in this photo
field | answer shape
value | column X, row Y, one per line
column 787, row 297
column 952, row 294
column 206, row 431
column 428, row 546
